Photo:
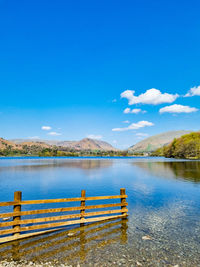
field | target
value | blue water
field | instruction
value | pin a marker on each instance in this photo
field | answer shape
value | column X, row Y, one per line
column 163, row 198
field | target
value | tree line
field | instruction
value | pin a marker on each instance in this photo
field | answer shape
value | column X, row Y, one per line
column 35, row 150
column 185, row 147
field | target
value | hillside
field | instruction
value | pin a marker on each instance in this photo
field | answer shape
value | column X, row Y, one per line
column 185, row 147
column 5, row 144
column 84, row 144
column 24, row 148
column 157, row 141
column 93, row 144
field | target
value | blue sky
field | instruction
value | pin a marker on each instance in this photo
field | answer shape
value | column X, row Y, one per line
column 68, row 65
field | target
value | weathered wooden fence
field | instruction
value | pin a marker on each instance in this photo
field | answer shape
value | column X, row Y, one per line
column 19, row 227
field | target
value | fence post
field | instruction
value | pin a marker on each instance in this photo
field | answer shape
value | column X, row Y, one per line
column 17, row 208
column 123, row 201
column 82, row 206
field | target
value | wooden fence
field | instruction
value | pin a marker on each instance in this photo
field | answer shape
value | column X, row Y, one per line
column 19, row 227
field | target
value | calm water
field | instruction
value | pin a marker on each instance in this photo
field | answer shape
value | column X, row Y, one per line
column 163, row 198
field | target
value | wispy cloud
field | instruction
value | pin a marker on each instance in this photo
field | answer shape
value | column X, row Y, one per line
column 54, row 133
column 114, row 100
column 133, row 111
column 194, row 91
column 134, row 126
column 177, row 109
column 126, row 121
column 46, row 128
column 34, row 137
column 152, row 96
column 142, row 134
column 93, row 136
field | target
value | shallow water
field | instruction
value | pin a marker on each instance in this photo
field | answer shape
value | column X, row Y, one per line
column 163, row 198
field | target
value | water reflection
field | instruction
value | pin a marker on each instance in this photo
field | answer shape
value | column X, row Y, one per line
column 61, row 163
column 166, row 209
column 67, row 246
column 187, row 170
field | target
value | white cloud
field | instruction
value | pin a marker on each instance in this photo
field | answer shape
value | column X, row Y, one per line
column 127, row 110
column 93, row 136
column 142, row 134
column 193, row 91
column 46, row 128
column 178, row 109
column 54, row 133
column 152, row 96
column 126, row 121
column 114, row 100
column 134, row 111
column 134, row 126
column 114, row 141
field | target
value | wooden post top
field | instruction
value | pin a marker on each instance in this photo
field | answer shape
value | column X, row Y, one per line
column 17, row 195
column 122, row 191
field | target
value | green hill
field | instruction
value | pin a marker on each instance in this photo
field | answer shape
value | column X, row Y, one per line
column 186, row 147
column 157, row 141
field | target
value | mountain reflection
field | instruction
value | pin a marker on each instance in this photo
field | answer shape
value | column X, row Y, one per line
column 79, row 164
column 187, row 170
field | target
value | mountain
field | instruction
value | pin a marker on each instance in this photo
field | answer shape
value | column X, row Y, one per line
column 84, row 144
column 154, row 142
column 5, row 144
column 93, row 144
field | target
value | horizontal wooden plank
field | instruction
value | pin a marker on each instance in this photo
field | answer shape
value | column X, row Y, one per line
column 39, row 220
column 23, row 236
column 33, row 212
column 52, row 225
column 57, row 218
column 46, row 201
column 9, row 203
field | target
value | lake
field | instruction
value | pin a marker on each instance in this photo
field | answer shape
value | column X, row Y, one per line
column 163, row 226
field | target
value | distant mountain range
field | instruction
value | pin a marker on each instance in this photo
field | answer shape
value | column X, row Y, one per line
column 87, row 144
column 84, row 144
column 154, row 142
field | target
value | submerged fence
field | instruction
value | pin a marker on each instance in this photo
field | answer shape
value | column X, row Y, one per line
column 19, row 227
column 69, row 246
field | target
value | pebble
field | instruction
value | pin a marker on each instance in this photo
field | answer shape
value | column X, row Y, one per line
column 6, row 218
column 29, row 263
column 146, row 237
column 71, row 234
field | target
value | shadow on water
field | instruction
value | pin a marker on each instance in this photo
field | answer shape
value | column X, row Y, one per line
column 67, row 246
column 186, row 170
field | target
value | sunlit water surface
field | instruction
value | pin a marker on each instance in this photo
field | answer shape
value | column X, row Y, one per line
column 163, row 203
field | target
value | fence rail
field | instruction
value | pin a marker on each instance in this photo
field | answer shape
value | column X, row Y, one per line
column 17, row 227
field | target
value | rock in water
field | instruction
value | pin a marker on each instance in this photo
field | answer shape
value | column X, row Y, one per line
column 147, row 237
column 6, row 218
